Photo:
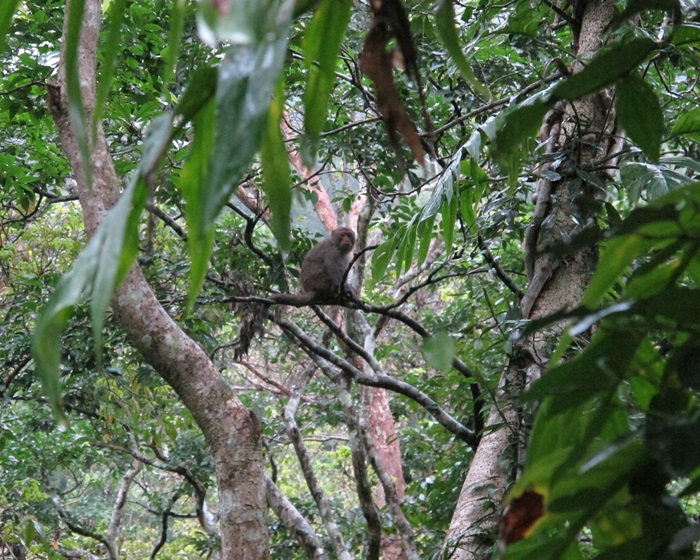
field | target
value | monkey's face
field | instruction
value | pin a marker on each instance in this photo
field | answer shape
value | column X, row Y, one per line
column 344, row 239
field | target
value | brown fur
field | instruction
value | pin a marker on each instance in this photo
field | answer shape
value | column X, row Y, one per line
column 323, row 270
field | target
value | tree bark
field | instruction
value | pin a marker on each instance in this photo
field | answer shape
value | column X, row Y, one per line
column 585, row 132
column 231, row 430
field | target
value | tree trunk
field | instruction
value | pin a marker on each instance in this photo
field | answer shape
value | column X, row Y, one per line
column 232, row 431
column 585, row 132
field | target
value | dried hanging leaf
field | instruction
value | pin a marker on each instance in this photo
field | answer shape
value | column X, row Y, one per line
column 390, row 20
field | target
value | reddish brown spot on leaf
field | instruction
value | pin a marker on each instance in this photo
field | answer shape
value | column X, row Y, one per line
column 520, row 515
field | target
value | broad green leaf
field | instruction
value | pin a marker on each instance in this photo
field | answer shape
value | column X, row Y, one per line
column 443, row 190
column 526, row 19
column 240, row 22
column 29, row 531
column 247, row 77
column 439, row 351
column 680, row 306
column 572, row 383
column 473, row 145
column 687, row 34
column 657, row 225
column 613, row 63
column 321, row 45
column 639, row 178
column 76, row 110
column 556, row 546
column 675, row 443
column 98, row 270
column 688, row 123
column 519, row 125
column 7, row 10
column 200, row 90
column 616, row 257
column 276, row 174
column 657, row 273
column 634, row 98
column 447, row 31
column 112, row 47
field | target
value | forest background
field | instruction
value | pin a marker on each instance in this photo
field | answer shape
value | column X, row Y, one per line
column 518, row 375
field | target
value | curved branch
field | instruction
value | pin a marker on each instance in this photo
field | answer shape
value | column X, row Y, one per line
column 378, row 379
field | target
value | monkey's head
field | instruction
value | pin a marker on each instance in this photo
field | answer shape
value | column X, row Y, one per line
column 344, row 239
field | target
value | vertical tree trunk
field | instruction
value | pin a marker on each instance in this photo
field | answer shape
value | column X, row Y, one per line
column 585, row 133
column 232, row 431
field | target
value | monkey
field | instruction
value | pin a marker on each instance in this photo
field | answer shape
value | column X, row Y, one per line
column 322, row 271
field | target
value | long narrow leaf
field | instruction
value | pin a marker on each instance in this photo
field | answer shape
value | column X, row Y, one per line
column 7, row 10
column 95, row 273
column 117, row 8
column 276, row 174
column 447, row 31
column 321, row 45
column 247, row 79
column 76, row 110
column 613, row 63
column 175, row 33
column 98, row 270
column 193, row 182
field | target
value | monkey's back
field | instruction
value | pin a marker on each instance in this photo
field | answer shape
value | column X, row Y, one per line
column 321, row 270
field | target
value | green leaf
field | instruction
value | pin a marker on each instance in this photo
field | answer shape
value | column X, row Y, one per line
column 194, row 181
column 519, row 125
column 244, row 23
column 447, row 31
column 76, row 110
column 686, row 35
column 526, row 19
column 616, row 257
column 439, row 350
column 321, row 45
column 466, row 200
column 382, row 257
column 96, row 272
column 688, row 123
column 636, row 98
column 247, row 79
column 613, row 63
column 175, row 34
column 407, row 248
column 200, row 90
column 276, row 174
column 639, row 177
column 7, row 10
column 113, row 46
column 449, row 218
column 675, row 444
column 29, row 531
column 680, row 306
column 425, row 232
column 574, row 382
